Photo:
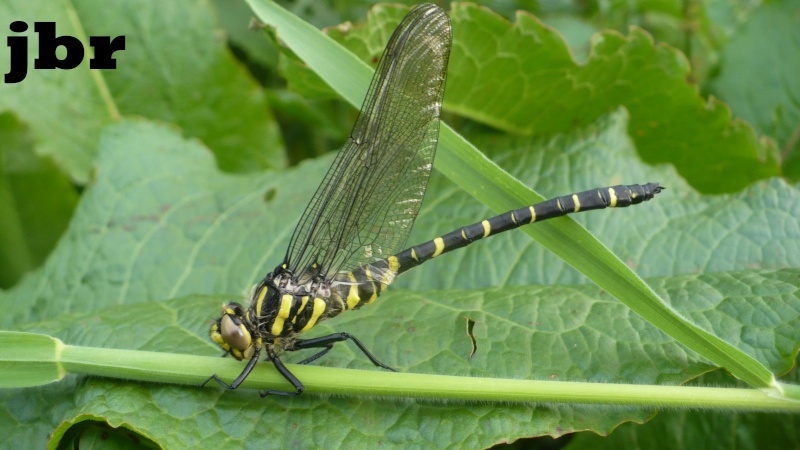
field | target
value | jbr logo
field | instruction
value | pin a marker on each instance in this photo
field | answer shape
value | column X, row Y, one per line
column 104, row 48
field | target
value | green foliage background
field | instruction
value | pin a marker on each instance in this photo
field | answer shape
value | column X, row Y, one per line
column 133, row 202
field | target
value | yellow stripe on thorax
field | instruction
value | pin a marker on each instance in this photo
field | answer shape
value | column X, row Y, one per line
column 283, row 314
column 319, row 308
column 533, row 214
column 352, row 294
column 577, row 202
column 260, row 295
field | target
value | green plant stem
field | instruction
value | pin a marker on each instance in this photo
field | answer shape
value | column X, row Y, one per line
column 46, row 359
column 194, row 370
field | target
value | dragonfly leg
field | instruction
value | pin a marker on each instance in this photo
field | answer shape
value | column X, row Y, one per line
column 298, row 386
column 326, row 343
column 235, row 384
column 317, row 355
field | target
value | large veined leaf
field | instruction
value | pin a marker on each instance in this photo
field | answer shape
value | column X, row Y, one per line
column 522, row 78
column 766, row 98
column 173, row 69
column 165, row 224
column 60, row 112
column 36, row 202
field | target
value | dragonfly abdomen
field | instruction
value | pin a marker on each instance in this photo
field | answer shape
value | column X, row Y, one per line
column 363, row 285
column 618, row 196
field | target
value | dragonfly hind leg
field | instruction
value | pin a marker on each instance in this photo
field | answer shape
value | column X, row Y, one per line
column 326, row 343
column 298, row 386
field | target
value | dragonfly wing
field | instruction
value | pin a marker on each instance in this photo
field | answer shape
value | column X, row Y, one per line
column 368, row 201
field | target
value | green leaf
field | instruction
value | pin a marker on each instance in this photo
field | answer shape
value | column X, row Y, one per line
column 758, row 77
column 36, row 202
column 174, row 68
column 696, row 429
column 160, row 222
column 156, row 201
column 235, row 18
column 568, row 320
column 521, row 78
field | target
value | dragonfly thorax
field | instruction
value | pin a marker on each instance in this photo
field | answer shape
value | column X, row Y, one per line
column 311, row 283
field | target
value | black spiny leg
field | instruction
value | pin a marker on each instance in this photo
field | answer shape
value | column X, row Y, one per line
column 326, row 343
column 298, row 386
column 247, row 369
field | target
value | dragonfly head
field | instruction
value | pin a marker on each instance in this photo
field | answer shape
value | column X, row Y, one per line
column 231, row 333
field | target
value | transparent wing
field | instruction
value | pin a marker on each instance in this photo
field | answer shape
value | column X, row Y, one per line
column 368, row 201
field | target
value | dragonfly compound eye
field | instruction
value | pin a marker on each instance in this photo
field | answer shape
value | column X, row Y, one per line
column 234, row 333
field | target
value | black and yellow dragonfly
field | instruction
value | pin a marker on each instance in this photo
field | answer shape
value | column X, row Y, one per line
column 348, row 244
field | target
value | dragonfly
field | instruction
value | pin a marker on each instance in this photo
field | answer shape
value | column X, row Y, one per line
column 348, row 244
